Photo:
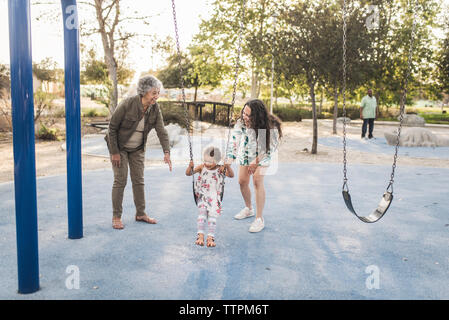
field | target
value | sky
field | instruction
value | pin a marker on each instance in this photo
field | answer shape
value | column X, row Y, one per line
column 47, row 38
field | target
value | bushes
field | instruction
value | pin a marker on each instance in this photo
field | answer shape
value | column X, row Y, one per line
column 43, row 103
column 173, row 113
column 289, row 113
column 94, row 112
column 47, row 133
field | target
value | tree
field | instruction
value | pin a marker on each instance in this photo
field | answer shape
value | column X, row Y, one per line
column 221, row 32
column 206, row 68
column 443, row 65
column 303, row 46
column 358, row 48
column 112, row 29
column 170, row 75
column 96, row 71
column 43, row 102
column 110, row 20
column 200, row 68
column 391, row 43
column 46, row 71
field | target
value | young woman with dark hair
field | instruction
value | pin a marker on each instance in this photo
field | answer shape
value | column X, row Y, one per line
column 255, row 138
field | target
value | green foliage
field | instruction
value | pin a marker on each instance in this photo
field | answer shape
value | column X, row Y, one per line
column 173, row 113
column 199, row 68
column 47, row 133
column 94, row 112
column 206, row 68
column 443, row 65
column 43, row 103
column 391, row 43
column 222, row 29
column 170, row 75
column 96, row 71
column 438, row 118
column 95, row 92
column 46, row 70
column 289, row 113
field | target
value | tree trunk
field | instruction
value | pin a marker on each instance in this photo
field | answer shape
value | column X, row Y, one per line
column 195, row 95
column 334, row 125
column 291, row 101
column 320, row 107
column 314, row 116
column 276, row 97
column 254, row 84
column 112, row 68
column 107, row 38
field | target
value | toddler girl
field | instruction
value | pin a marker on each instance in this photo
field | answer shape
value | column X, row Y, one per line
column 208, row 188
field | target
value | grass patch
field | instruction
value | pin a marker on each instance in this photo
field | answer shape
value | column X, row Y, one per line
column 94, row 112
column 435, row 118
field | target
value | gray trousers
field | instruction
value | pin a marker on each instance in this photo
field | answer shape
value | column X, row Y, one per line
column 136, row 163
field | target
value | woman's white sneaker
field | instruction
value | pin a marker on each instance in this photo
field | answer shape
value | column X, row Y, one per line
column 244, row 213
column 257, row 225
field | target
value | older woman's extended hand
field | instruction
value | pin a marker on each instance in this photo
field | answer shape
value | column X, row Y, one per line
column 115, row 159
column 167, row 160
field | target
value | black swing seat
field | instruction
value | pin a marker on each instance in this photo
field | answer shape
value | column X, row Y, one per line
column 377, row 214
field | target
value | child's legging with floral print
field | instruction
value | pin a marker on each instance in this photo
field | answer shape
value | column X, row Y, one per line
column 203, row 218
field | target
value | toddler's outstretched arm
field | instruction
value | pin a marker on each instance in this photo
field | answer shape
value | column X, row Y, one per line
column 192, row 170
column 229, row 171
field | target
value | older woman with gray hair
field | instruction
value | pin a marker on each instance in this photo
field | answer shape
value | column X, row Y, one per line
column 127, row 135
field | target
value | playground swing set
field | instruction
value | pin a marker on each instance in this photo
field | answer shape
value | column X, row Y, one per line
column 24, row 141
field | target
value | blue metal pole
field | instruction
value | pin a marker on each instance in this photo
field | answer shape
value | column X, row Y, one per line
column 73, row 118
column 23, row 144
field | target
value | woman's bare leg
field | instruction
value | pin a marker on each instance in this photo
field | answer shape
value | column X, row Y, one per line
column 259, row 189
column 244, row 178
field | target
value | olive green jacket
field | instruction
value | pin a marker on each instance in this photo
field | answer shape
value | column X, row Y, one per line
column 124, row 122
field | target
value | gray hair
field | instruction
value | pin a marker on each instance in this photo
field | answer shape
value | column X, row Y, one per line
column 147, row 83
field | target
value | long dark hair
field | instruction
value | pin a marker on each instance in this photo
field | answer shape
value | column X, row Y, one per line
column 261, row 119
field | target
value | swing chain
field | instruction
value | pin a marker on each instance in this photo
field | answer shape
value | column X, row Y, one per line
column 345, row 171
column 402, row 105
column 404, row 95
column 181, row 75
column 236, row 69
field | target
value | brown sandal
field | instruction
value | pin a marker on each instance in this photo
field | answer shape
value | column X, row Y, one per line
column 146, row 219
column 117, row 223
